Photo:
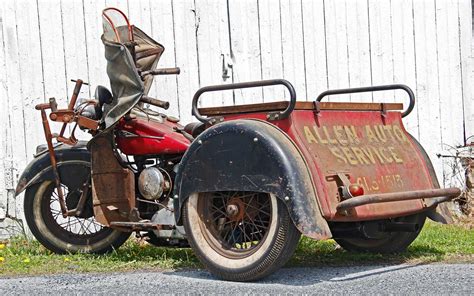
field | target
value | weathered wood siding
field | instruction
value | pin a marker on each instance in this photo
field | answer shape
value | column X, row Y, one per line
column 315, row 44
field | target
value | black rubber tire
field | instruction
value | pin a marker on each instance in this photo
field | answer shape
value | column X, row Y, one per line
column 394, row 242
column 53, row 237
column 276, row 249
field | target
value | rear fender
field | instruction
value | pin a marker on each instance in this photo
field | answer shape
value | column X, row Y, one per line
column 251, row 155
column 440, row 212
column 40, row 169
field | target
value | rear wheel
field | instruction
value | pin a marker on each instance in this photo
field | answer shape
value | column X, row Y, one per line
column 240, row 236
column 72, row 234
column 389, row 242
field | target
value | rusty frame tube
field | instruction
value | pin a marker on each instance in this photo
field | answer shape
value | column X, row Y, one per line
column 447, row 194
column 82, row 201
column 52, row 156
column 75, row 94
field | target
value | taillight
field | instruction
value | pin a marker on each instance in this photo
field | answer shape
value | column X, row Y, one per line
column 356, row 190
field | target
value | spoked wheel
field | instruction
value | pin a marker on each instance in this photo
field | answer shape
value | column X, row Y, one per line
column 70, row 234
column 389, row 242
column 240, row 236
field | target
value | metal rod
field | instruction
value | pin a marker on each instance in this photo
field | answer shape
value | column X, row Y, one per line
column 52, row 156
column 75, row 94
column 373, row 89
column 361, row 200
column 162, row 71
column 282, row 115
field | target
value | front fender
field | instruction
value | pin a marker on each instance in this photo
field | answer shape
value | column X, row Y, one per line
column 251, row 155
column 39, row 169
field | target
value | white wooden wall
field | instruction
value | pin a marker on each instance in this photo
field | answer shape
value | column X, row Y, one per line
column 317, row 45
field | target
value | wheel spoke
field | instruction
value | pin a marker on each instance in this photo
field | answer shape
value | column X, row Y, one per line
column 74, row 225
column 260, row 210
column 243, row 230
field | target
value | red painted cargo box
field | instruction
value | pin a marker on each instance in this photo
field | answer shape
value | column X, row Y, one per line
column 348, row 171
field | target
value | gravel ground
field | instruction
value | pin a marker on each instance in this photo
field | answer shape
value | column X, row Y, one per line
column 434, row 279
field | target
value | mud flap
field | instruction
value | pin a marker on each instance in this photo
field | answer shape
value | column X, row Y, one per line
column 440, row 214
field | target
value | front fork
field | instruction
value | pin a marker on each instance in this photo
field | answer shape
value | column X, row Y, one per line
column 49, row 141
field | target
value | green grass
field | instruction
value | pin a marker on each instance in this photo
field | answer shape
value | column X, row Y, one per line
column 436, row 243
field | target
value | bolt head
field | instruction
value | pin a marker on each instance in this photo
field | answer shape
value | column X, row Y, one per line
column 287, row 198
column 255, row 139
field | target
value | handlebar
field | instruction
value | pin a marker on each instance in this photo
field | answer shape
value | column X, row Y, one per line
column 373, row 89
column 155, row 102
column 162, row 71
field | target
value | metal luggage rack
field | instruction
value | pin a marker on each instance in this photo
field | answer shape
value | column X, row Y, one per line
column 290, row 106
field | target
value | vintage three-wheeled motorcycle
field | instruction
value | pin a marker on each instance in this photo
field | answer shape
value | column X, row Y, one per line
column 241, row 185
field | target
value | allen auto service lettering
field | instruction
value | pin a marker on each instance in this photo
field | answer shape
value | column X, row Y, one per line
column 373, row 151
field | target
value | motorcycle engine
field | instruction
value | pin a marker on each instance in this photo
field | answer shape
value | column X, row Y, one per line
column 152, row 183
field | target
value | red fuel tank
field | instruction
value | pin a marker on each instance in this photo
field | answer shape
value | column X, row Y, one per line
column 142, row 136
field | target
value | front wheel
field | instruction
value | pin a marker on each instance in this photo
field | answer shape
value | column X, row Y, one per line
column 71, row 234
column 240, row 236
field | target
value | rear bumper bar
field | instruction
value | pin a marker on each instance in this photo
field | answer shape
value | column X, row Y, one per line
column 442, row 195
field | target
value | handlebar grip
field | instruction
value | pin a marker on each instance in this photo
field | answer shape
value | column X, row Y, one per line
column 162, row 71
column 155, row 102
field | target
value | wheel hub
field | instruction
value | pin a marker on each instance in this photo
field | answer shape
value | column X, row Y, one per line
column 232, row 210
column 235, row 209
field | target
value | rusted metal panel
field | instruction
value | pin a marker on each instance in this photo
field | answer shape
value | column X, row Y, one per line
column 374, row 151
column 113, row 187
column 372, row 148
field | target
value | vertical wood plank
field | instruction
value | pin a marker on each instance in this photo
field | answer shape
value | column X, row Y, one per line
column 52, row 48
column 336, row 43
column 31, row 69
column 450, row 84
column 245, row 48
column 404, row 70
column 92, row 11
column 184, row 14
column 466, row 45
column 427, row 80
column 4, row 125
column 15, row 154
column 123, row 5
column 314, row 48
column 213, row 46
column 358, row 46
column 292, row 44
column 139, row 14
column 75, row 53
column 271, row 48
column 16, row 148
column 162, row 30
column 381, row 47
